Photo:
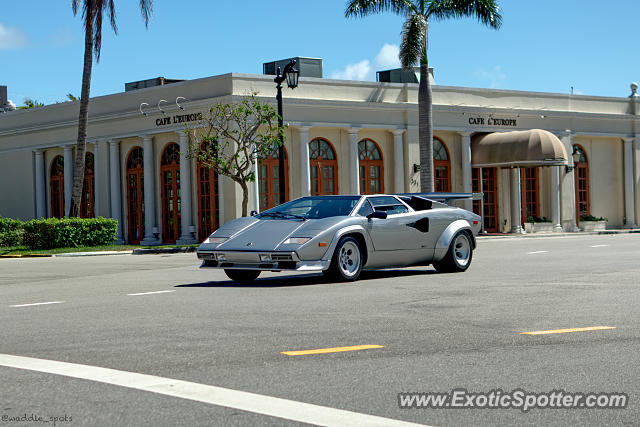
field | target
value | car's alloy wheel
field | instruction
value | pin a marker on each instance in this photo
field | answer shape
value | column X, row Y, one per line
column 346, row 263
column 459, row 254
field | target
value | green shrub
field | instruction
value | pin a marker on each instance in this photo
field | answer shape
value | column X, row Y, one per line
column 537, row 219
column 592, row 218
column 69, row 232
column 10, row 232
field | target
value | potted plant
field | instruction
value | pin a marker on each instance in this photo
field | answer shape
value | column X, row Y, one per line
column 592, row 223
column 538, row 225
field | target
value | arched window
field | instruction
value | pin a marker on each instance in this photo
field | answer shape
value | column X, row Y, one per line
column 371, row 167
column 323, row 167
column 269, row 180
column 529, row 179
column 442, row 166
column 208, row 210
column 87, row 205
column 581, row 178
column 170, row 182
column 56, row 186
column 135, row 195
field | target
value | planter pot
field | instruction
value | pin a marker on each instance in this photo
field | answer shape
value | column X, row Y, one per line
column 538, row 227
column 593, row 225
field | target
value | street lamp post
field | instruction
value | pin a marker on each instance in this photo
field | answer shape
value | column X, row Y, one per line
column 291, row 75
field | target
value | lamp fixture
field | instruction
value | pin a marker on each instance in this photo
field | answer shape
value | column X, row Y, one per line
column 290, row 74
column 575, row 156
column 180, row 106
column 142, row 112
column 160, row 108
column 416, row 168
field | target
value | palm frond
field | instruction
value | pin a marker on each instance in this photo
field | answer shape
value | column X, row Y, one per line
column 487, row 12
column 414, row 37
column 146, row 8
column 362, row 8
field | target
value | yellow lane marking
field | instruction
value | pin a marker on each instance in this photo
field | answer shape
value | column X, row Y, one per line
column 562, row 331
column 331, row 350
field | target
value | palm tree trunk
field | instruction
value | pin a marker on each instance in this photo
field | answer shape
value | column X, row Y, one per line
column 81, row 144
column 425, row 129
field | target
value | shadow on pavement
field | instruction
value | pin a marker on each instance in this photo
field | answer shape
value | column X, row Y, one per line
column 306, row 279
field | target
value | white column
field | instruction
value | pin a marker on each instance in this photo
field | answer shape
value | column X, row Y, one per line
column 636, row 175
column 256, row 186
column 555, row 198
column 68, row 177
column 186, row 223
column 41, row 194
column 516, row 202
column 116, row 193
column 305, row 178
column 568, row 212
column 398, row 161
column 629, row 188
column 466, row 168
column 220, row 201
column 354, row 161
column 149, row 192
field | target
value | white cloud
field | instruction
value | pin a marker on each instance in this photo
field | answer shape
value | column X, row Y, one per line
column 12, row 38
column 387, row 58
column 364, row 70
column 358, row 71
column 495, row 77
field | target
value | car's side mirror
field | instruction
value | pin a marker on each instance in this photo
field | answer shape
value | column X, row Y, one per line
column 253, row 213
column 377, row 214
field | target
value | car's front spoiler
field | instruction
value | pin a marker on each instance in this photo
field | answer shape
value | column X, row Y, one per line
column 298, row 266
column 259, row 260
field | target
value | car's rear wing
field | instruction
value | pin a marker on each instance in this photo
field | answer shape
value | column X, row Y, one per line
column 445, row 197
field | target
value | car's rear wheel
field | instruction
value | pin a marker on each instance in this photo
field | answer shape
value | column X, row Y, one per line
column 459, row 255
column 346, row 263
column 242, row 276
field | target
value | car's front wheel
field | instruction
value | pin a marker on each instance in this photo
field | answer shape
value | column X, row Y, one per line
column 459, row 254
column 346, row 263
column 242, row 276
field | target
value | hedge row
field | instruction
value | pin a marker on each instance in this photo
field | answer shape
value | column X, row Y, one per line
column 58, row 233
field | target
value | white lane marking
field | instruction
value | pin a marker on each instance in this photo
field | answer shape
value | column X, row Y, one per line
column 37, row 303
column 537, row 252
column 150, row 293
column 599, row 246
column 244, row 401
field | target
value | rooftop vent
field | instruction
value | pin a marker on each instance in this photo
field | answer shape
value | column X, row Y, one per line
column 309, row 67
column 141, row 84
column 400, row 75
column 5, row 102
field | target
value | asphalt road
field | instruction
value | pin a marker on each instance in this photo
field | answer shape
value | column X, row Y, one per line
column 438, row 332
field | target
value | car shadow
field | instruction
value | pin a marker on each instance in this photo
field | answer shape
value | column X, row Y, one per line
column 307, row 279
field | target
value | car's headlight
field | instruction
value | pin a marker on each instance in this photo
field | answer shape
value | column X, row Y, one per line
column 296, row 240
column 216, row 240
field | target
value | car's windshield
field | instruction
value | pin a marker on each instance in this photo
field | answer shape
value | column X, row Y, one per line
column 312, row 208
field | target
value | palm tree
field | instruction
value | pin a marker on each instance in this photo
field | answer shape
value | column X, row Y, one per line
column 413, row 49
column 92, row 14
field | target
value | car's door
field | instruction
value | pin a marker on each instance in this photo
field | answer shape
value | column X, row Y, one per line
column 395, row 233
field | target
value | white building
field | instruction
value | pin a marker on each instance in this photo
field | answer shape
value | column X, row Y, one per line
column 337, row 131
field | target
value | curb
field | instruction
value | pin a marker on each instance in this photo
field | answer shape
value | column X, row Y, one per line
column 571, row 234
column 99, row 253
column 151, row 251
column 26, row 256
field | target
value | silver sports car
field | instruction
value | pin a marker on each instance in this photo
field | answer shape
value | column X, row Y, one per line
column 343, row 235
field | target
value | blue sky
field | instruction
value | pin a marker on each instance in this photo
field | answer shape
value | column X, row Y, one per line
column 543, row 45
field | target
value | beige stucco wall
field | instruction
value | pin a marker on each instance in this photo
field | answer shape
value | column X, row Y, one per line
column 17, row 188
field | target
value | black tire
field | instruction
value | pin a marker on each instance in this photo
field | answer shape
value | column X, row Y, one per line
column 346, row 263
column 459, row 255
column 242, row 276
